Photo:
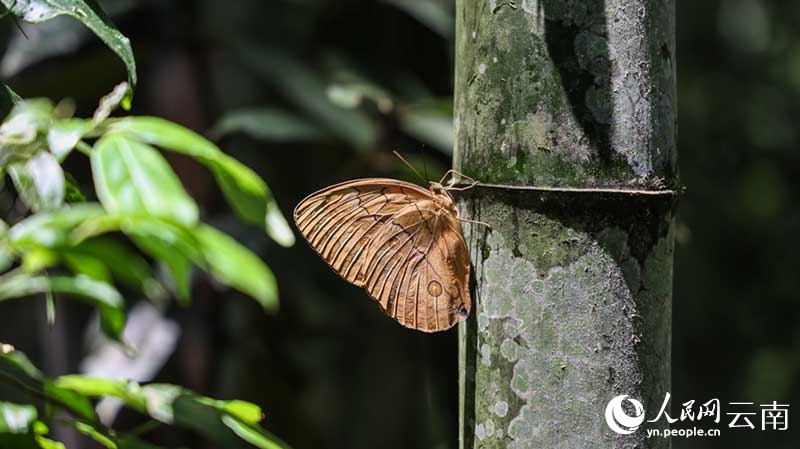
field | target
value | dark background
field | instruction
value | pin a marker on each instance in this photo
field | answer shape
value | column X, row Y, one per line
column 329, row 368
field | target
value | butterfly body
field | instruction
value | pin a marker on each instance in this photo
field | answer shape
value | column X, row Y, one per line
column 400, row 242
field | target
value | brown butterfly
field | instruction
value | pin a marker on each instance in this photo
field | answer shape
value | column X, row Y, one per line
column 402, row 243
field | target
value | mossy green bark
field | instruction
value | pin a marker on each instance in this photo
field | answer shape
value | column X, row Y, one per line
column 571, row 93
column 572, row 289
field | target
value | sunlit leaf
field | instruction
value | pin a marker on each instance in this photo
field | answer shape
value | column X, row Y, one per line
column 95, row 387
column 89, row 13
column 39, row 181
column 245, row 411
column 17, row 418
column 253, row 435
column 244, row 189
column 235, row 265
column 46, row 443
column 52, row 229
column 26, row 119
column 95, row 434
column 267, row 124
column 63, row 135
column 133, row 178
column 172, row 404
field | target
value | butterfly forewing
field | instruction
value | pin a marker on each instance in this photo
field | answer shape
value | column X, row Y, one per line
column 393, row 239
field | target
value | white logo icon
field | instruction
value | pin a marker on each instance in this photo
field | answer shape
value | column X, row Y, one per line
column 618, row 420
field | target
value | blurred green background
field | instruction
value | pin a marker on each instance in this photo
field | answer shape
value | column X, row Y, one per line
column 311, row 92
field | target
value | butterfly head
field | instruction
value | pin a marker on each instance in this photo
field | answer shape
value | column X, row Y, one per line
column 436, row 187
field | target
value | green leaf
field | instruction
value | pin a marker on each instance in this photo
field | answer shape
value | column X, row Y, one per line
column 6, row 254
column 165, row 241
column 95, row 434
column 235, row 265
column 267, row 124
column 172, row 404
column 253, row 435
column 89, row 13
column 306, row 89
column 130, row 393
column 87, row 265
column 7, row 99
column 63, row 135
column 26, row 119
column 39, row 182
column 245, row 411
column 244, row 189
column 16, row 418
column 15, row 366
column 46, row 443
column 133, row 178
column 95, row 292
column 52, row 229
column 159, row 399
column 124, row 264
column 431, row 123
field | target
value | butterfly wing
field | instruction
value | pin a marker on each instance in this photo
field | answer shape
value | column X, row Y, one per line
column 392, row 239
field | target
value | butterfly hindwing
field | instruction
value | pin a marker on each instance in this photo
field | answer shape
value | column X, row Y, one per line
column 392, row 239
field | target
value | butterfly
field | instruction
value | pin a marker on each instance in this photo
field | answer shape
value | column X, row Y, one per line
column 400, row 242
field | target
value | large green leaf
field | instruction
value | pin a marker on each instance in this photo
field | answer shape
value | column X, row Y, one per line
column 89, row 13
column 133, row 178
column 244, row 189
column 125, row 265
column 235, row 265
column 168, row 242
column 39, row 181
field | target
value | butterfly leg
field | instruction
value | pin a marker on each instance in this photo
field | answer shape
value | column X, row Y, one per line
column 453, row 179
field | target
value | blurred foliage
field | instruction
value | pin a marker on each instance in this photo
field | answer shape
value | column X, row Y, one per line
column 736, row 307
column 311, row 92
column 140, row 196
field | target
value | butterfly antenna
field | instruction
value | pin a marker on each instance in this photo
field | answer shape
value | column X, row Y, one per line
column 425, row 163
column 409, row 166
